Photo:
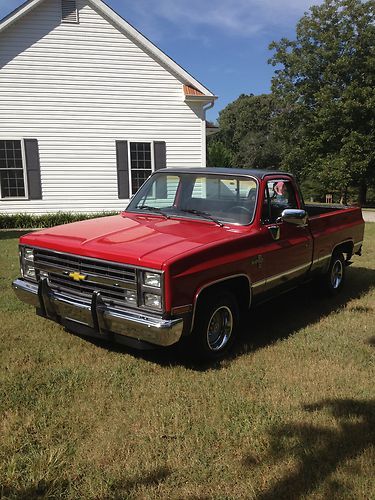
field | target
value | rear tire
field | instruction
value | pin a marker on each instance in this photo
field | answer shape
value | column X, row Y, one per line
column 333, row 281
column 216, row 326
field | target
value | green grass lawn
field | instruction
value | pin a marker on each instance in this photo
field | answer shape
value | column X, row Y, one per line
column 290, row 415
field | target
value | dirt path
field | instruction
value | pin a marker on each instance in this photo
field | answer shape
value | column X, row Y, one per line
column 369, row 215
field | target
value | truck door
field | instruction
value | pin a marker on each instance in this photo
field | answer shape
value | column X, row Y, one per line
column 288, row 248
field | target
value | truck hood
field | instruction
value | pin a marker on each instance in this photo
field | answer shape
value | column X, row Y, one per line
column 139, row 240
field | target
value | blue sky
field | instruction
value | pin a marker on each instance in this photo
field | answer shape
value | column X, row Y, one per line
column 222, row 43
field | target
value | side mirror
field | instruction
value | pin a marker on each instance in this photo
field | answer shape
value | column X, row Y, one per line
column 294, row 216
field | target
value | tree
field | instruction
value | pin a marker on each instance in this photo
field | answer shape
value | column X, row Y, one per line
column 325, row 89
column 246, row 132
column 218, row 155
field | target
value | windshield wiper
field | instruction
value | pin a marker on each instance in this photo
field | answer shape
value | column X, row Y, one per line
column 154, row 209
column 206, row 215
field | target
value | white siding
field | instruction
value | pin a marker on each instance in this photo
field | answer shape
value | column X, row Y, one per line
column 78, row 88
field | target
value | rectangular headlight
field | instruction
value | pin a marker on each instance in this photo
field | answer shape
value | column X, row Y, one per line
column 131, row 297
column 29, row 271
column 152, row 279
column 152, row 300
column 28, row 254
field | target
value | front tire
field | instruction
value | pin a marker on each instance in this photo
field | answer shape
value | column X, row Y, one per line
column 216, row 326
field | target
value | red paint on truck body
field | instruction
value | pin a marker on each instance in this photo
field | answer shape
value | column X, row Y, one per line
column 194, row 253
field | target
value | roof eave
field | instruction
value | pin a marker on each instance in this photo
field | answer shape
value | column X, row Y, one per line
column 17, row 13
column 200, row 98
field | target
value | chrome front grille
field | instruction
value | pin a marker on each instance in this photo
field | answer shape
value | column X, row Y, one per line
column 112, row 280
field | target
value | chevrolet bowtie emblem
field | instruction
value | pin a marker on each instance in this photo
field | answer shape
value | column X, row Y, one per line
column 76, row 276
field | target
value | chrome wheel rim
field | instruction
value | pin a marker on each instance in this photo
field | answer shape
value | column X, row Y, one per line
column 337, row 274
column 219, row 328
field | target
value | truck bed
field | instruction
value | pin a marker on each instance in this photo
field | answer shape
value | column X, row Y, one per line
column 321, row 209
column 331, row 225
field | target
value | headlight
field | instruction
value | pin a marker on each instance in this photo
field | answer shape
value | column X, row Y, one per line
column 152, row 300
column 27, row 263
column 152, row 279
column 28, row 254
column 29, row 271
column 131, row 297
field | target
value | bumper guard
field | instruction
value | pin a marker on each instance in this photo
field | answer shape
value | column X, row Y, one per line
column 96, row 318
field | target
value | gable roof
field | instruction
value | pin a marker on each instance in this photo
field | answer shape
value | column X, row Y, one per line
column 132, row 33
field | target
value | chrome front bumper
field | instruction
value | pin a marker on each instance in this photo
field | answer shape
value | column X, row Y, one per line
column 96, row 317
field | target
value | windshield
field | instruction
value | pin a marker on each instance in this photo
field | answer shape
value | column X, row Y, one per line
column 221, row 198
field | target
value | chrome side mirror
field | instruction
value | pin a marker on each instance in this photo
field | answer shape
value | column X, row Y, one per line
column 294, row 216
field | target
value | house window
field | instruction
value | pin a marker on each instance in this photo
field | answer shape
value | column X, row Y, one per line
column 141, row 164
column 12, row 175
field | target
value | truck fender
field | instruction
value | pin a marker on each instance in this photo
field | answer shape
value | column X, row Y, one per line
column 205, row 287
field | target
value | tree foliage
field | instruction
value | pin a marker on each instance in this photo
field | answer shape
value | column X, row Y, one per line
column 325, row 88
column 246, row 133
column 218, row 155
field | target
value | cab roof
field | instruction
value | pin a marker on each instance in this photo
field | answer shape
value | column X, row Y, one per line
column 259, row 174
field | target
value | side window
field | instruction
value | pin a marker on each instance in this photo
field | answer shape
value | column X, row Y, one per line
column 140, row 164
column 12, row 174
column 279, row 195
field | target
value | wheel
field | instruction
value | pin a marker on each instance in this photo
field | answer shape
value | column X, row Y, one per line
column 334, row 279
column 216, row 326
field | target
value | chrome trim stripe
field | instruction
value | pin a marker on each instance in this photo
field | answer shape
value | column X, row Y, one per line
column 269, row 279
column 291, row 271
column 315, row 261
column 259, row 283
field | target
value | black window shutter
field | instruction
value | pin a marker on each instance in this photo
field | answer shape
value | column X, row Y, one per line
column 122, row 169
column 34, row 183
column 160, row 154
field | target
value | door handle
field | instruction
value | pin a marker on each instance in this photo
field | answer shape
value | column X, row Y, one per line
column 275, row 231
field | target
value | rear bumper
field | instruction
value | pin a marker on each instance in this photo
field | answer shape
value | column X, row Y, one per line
column 96, row 318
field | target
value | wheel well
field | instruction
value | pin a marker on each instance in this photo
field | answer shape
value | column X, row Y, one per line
column 238, row 286
column 345, row 248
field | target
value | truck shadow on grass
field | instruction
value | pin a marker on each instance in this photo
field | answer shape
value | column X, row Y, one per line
column 275, row 320
column 319, row 451
column 304, row 306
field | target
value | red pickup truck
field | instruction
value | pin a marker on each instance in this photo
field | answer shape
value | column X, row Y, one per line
column 193, row 250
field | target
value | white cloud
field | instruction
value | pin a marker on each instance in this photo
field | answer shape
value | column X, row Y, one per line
column 239, row 17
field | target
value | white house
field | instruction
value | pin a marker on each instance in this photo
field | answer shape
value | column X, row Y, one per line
column 89, row 107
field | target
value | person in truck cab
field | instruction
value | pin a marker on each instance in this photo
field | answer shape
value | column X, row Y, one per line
column 281, row 194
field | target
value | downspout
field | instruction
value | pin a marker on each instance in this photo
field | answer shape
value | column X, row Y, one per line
column 205, row 108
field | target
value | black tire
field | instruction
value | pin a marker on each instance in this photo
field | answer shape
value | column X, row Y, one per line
column 334, row 279
column 216, row 326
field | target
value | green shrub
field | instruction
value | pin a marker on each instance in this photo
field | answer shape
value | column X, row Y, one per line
column 27, row 221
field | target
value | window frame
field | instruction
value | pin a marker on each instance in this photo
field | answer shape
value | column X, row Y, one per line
column 23, row 154
column 268, row 197
column 132, row 141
